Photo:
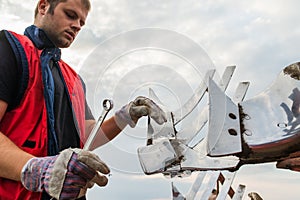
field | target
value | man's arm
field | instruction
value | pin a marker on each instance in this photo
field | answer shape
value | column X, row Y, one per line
column 12, row 158
column 127, row 115
column 108, row 131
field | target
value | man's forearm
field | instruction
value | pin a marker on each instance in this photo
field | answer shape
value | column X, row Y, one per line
column 12, row 159
column 108, row 131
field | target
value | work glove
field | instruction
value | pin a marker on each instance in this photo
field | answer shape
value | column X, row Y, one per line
column 64, row 175
column 141, row 106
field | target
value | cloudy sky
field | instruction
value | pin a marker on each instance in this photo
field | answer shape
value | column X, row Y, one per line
column 260, row 37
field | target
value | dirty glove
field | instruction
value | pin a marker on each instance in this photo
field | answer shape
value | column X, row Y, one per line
column 63, row 176
column 141, row 106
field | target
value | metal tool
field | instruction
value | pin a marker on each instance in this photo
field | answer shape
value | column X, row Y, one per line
column 107, row 106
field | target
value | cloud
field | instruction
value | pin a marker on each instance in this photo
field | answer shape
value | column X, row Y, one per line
column 16, row 15
column 264, row 178
column 249, row 34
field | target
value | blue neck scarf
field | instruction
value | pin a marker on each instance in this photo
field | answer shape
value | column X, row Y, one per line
column 49, row 57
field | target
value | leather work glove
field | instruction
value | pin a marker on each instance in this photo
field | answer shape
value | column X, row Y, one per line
column 63, row 176
column 141, row 106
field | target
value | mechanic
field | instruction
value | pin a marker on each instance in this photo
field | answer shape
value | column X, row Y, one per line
column 44, row 115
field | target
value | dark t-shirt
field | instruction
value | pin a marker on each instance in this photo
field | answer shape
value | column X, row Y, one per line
column 10, row 74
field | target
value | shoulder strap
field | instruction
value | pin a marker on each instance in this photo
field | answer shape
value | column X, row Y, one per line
column 22, row 62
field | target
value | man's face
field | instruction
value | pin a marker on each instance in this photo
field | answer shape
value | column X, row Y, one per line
column 63, row 26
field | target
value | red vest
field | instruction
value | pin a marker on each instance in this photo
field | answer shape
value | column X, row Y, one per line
column 28, row 121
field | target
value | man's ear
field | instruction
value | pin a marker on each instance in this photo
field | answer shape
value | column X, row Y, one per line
column 43, row 7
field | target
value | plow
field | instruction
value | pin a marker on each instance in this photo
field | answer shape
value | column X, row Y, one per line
column 237, row 132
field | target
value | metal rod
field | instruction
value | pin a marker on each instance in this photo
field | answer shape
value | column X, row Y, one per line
column 107, row 106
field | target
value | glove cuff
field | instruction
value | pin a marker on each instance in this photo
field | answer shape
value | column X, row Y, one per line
column 55, row 184
column 34, row 172
column 122, row 117
column 27, row 179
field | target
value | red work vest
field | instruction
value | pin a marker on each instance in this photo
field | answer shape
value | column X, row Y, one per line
column 27, row 123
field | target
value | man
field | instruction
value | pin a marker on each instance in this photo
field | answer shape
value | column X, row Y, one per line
column 44, row 117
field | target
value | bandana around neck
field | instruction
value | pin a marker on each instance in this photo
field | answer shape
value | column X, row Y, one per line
column 49, row 57
column 38, row 37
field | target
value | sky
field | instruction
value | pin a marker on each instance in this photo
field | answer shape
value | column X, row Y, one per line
column 112, row 53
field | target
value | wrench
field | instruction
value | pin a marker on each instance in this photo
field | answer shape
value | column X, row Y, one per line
column 107, row 106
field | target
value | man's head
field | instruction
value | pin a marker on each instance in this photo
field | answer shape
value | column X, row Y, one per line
column 61, row 19
column 53, row 4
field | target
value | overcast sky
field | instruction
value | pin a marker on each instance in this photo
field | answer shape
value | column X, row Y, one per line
column 260, row 37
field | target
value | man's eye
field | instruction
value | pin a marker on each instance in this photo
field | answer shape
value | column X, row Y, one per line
column 70, row 15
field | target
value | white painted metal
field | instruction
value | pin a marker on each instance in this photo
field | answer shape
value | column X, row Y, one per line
column 188, row 133
column 241, row 91
column 238, row 195
column 224, row 136
column 226, row 185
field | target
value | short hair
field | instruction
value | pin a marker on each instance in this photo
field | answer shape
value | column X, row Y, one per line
column 54, row 3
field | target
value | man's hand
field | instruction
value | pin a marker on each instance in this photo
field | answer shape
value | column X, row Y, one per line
column 63, row 176
column 141, row 106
